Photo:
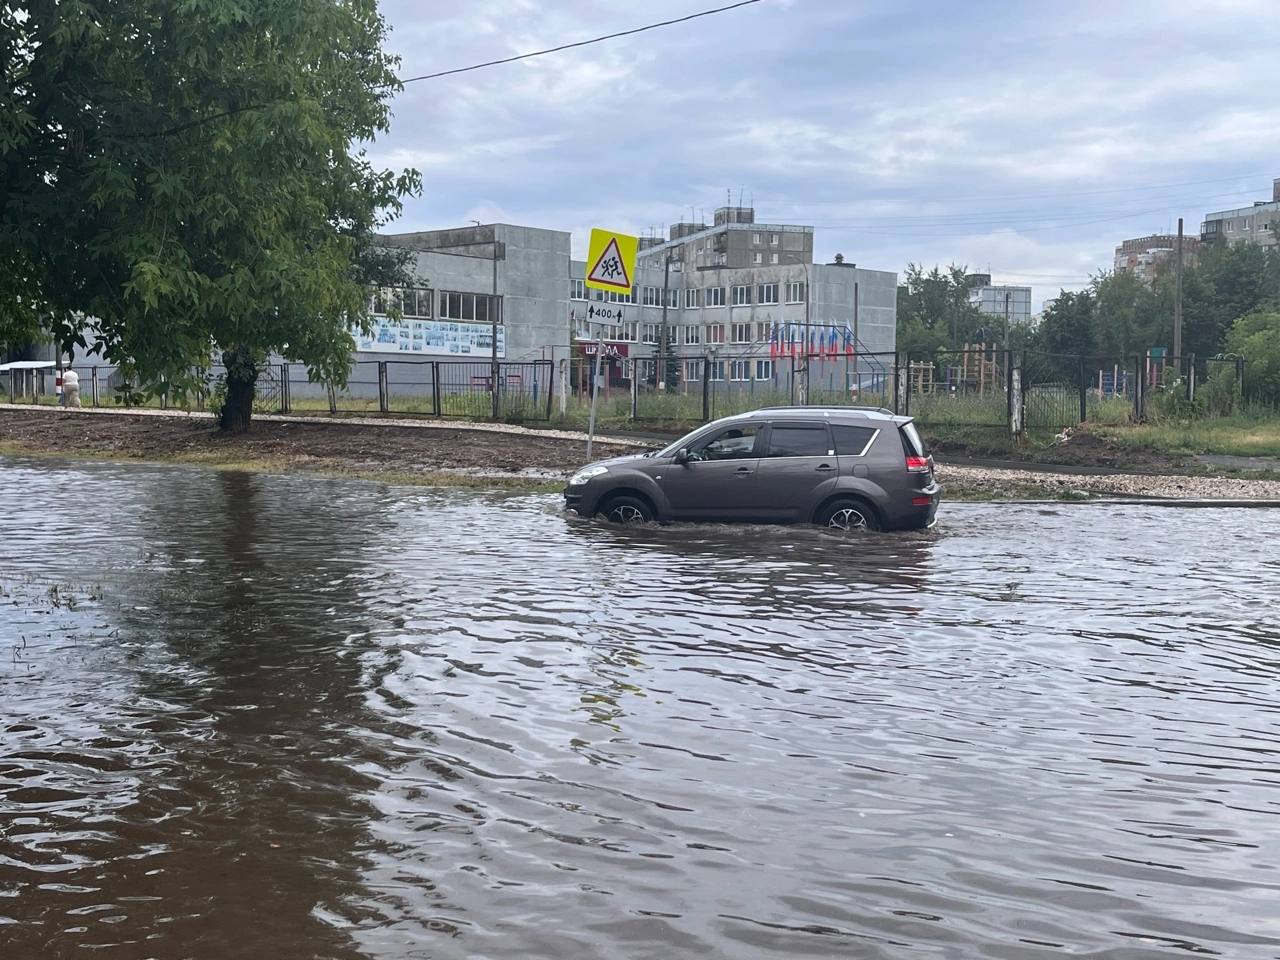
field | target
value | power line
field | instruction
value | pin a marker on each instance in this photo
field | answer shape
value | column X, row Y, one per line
column 1058, row 193
column 581, row 43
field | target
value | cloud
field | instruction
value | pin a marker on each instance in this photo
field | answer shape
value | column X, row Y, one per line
column 1031, row 137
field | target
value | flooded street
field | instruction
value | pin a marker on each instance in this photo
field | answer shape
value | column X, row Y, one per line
column 251, row 716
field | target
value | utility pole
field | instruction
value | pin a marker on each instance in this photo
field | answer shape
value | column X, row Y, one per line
column 660, row 375
column 499, row 252
column 1177, row 298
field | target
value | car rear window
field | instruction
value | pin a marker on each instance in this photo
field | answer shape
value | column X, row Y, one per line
column 788, row 440
column 851, row 441
column 912, row 442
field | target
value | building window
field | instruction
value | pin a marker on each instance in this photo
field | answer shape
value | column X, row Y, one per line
column 715, row 296
column 651, row 333
column 741, row 295
column 614, row 297
column 773, row 258
column 410, row 301
column 755, row 239
column 467, row 307
column 740, row 370
column 597, row 294
column 693, row 335
column 757, row 258
column 721, row 259
column 767, row 293
column 715, row 333
column 692, row 298
column 795, row 291
column 673, row 298
column 693, row 370
column 764, row 369
column 774, row 240
column 715, row 370
column 742, row 333
column 763, row 330
column 577, row 290
column 651, row 298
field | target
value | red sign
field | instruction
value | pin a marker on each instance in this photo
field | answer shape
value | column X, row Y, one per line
column 611, row 349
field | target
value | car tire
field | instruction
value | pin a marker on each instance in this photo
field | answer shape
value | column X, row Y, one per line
column 849, row 514
column 626, row 511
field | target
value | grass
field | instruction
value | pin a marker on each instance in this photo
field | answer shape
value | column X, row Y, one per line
column 1253, row 434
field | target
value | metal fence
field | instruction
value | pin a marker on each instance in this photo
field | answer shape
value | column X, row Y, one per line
column 439, row 388
column 695, row 389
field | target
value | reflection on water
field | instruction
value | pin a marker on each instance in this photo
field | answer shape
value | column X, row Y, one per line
column 249, row 716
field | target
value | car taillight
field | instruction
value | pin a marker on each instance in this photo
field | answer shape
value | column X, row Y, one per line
column 917, row 464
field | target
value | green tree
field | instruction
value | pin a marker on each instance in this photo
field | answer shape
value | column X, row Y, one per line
column 1067, row 326
column 1256, row 337
column 1228, row 282
column 190, row 174
column 934, row 311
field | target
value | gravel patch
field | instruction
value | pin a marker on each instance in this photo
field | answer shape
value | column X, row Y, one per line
column 1015, row 483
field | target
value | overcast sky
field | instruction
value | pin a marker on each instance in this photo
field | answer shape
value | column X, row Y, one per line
column 1026, row 138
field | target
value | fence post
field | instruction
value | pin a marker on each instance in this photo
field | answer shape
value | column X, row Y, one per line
column 93, row 386
column 566, row 365
column 1084, row 392
column 635, row 387
column 1139, row 389
column 383, row 404
column 1240, row 374
column 904, row 386
column 286, row 401
column 1017, row 425
column 1191, row 378
column 706, row 389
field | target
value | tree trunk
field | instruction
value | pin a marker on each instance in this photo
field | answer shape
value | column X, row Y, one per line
column 241, row 381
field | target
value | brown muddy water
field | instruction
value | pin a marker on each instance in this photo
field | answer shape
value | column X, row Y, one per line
column 252, row 716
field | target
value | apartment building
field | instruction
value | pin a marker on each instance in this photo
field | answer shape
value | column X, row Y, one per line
column 1000, row 300
column 1256, row 224
column 1147, row 257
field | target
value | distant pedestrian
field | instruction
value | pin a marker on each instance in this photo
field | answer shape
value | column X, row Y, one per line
column 70, row 388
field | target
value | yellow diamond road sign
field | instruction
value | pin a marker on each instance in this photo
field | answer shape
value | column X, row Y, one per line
column 611, row 264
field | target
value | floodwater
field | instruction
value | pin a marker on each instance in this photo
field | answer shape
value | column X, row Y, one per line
column 251, row 716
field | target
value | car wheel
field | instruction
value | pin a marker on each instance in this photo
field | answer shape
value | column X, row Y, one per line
column 627, row 511
column 849, row 515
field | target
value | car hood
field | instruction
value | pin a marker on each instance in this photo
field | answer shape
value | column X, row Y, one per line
column 614, row 461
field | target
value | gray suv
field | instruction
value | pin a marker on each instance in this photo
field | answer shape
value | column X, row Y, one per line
column 842, row 467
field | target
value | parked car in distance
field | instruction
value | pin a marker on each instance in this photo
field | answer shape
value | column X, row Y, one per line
column 845, row 467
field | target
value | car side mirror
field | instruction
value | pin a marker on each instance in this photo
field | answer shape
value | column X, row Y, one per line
column 682, row 456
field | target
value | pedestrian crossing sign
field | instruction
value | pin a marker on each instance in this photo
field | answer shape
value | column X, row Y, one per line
column 611, row 264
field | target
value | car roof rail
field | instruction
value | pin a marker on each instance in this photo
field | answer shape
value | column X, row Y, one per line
column 861, row 407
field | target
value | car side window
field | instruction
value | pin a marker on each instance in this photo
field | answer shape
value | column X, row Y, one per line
column 732, row 443
column 799, row 440
column 851, row 441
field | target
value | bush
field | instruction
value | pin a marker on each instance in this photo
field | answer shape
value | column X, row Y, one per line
column 1256, row 337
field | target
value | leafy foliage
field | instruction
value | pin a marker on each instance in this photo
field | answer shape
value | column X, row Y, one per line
column 934, row 312
column 1256, row 337
column 1117, row 316
column 189, row 174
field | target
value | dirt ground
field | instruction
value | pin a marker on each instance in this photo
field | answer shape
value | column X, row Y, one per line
column 331, row 446
column 1081, row 449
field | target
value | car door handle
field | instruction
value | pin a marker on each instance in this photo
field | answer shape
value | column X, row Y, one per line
column 825, row 468
column 743, row 472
